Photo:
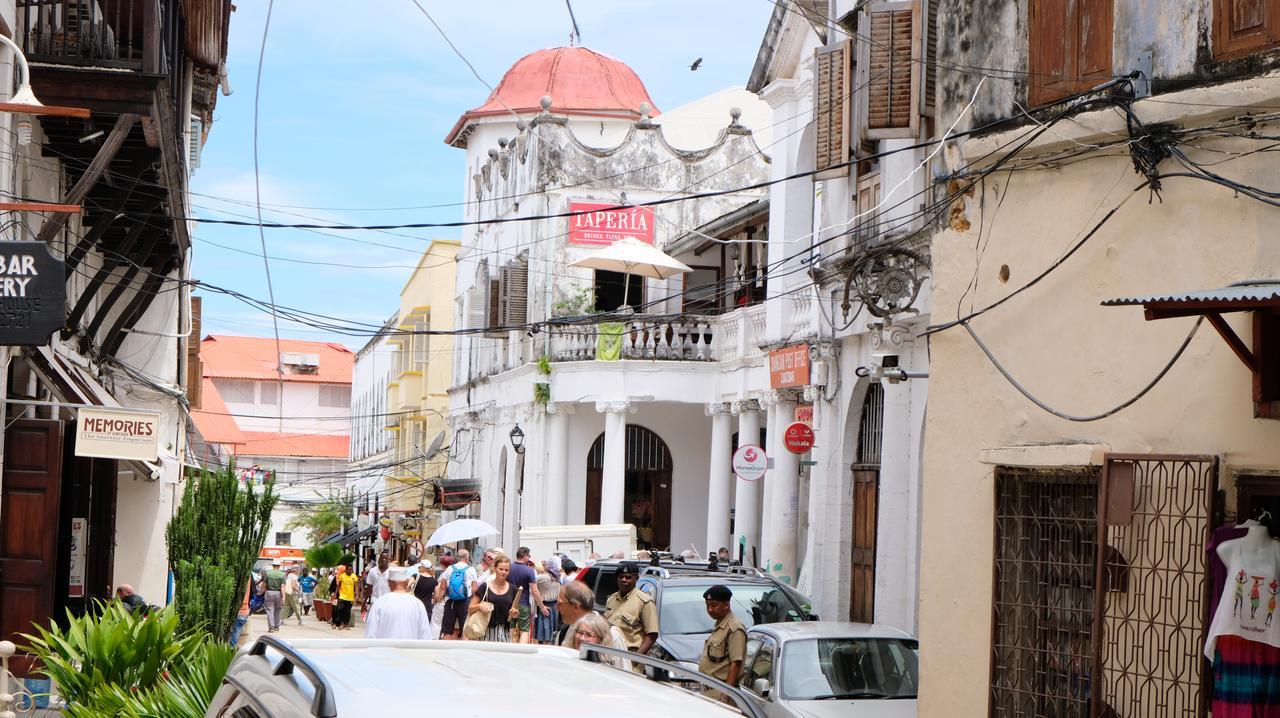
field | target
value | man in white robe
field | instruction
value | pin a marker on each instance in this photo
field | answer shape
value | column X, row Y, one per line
column 398, row 614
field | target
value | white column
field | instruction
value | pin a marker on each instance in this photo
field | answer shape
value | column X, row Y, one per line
column 720, row 482
column 556, row 483
column 782, row 496
column 511, row 504
column 613, row 483
column 746, row 505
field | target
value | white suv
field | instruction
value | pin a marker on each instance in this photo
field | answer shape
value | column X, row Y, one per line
column 326, row 678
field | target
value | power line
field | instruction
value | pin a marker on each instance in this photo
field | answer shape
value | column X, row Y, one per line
column 257, row 193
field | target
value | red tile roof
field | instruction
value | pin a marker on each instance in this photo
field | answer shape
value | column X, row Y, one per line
column 264, row 443
column 232, row 357
column 578, row 81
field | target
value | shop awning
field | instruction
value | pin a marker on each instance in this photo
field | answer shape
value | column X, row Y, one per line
column 350, row 537
column 1262, row 357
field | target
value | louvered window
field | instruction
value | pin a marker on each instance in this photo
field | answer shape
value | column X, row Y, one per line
column 897, row 68
column 515, row 291
column 495, row 303
column 1243, row 27
column 1070, row 47
column 831, row 102
column 195, row 368
column 477, row 299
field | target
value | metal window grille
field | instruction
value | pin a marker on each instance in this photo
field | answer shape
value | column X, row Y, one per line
column 871, row 427
column 1045, row 553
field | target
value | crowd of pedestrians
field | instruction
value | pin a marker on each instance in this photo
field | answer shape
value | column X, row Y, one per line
column 503, row 600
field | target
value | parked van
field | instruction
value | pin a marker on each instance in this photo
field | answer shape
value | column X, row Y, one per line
column 579, row 542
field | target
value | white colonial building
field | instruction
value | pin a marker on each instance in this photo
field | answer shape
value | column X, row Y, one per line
column 634, row 417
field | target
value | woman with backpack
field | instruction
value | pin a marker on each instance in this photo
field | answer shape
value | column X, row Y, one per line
column 454, row 591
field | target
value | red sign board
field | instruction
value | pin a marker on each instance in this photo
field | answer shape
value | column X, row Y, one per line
column 798, row 438
column 789, row 367
column 804, row 414
column 599, row 225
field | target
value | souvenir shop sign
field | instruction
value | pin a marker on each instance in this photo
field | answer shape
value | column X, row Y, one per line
column 118, row 433
column 600, row 225
column 789, row 367
column 33, row 294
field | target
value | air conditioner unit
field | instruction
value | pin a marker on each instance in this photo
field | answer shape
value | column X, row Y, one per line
column 302, row 363
column 195, row 132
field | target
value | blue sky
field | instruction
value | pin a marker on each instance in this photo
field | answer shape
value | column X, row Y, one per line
column 356, row 101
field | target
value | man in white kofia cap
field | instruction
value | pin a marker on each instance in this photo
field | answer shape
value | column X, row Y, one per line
column 398, row 614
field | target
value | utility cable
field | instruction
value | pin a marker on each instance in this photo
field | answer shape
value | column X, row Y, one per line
column 257, row 193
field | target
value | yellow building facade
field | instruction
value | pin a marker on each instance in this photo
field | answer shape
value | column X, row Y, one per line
column 417, row 396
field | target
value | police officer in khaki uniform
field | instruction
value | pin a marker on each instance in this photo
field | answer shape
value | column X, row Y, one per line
column 632, row 611
column 726, row 647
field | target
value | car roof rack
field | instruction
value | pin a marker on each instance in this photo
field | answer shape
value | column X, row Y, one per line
column 657, row 669
column 322, row 705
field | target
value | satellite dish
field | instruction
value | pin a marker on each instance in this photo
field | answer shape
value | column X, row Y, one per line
column 435, row 446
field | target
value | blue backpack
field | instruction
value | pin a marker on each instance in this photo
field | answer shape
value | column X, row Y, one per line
column 457, row 583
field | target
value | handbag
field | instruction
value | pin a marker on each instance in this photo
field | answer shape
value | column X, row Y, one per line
column 477, row 623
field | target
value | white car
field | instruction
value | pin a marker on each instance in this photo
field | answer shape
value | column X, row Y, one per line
column 327, row 678
column 816, row 669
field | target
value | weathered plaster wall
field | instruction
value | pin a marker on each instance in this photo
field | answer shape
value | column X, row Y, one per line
column 1079, row 357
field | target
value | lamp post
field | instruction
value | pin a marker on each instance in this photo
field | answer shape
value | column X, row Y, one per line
column 517, row 440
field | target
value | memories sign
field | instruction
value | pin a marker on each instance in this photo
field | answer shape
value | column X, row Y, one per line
column 33, row 293
column 110, row 433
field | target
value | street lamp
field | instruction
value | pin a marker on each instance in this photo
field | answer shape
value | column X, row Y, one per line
column 517, row 439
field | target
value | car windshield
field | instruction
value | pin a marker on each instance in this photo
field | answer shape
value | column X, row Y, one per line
column 684, row 611
column 849, row 668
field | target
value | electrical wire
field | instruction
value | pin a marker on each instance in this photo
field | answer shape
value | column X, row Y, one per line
column 257, row 193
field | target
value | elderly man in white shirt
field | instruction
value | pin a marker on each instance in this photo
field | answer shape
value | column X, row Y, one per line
column 399, row 613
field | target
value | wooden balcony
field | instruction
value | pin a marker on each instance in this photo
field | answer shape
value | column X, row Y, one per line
column 107, row 55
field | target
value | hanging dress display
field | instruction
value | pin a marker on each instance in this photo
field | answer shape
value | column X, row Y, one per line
column 1244, row 636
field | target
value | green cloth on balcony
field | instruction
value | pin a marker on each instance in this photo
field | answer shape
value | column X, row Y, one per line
column 609, row 341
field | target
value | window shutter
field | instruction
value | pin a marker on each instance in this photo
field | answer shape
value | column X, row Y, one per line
column 832, row 69
column 515, row 286
column 495, row 303
column 195, row 370
column 475, row 307
column 894, row 69
column 1070, row 47
column 1241, row 27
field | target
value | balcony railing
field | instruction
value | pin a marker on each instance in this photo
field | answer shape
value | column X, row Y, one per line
column 116, row 34
column 686, row 338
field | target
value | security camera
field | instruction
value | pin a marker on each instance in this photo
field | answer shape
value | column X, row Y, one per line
column 884, row 360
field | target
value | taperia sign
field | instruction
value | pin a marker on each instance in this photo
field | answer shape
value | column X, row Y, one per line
column 33, row 293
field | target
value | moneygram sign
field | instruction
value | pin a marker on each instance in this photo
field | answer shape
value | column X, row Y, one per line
column 33, row 294
column 118, row 433
column 600, row 225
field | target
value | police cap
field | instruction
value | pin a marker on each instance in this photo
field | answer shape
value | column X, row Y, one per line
column 718, row 593
column 630, row 567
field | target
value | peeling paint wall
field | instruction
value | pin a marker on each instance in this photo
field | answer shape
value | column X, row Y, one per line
column 992, row 36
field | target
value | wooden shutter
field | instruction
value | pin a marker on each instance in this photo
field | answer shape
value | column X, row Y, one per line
column 475, row 307
column 1070, row 47
column 29, row 534
column 832, row 69
column 495, row 303
column 515, row 288
column 195, row 369
column 1242, row 27
column 893, row 73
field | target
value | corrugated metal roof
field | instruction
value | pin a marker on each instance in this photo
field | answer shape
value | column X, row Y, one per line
column 1242, row 292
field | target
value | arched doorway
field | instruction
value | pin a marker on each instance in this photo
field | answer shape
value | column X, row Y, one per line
column 648, row 486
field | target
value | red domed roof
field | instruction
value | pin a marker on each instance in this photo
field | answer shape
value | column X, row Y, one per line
column 578, row 81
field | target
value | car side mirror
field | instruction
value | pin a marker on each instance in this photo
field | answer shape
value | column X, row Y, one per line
column 762, row 686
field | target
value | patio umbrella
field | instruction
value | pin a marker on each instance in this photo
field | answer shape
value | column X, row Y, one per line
column 631, row 256
column 461, row 530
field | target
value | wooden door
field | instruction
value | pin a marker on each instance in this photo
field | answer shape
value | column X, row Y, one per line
column 661, row 482
column 862, row 586
column 29, row 528
column 594, row 479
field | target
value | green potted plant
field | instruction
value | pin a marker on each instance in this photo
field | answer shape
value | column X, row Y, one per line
column 323, row 557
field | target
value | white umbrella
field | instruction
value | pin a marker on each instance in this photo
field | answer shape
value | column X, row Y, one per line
column 461, row 530
column 631, row 256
